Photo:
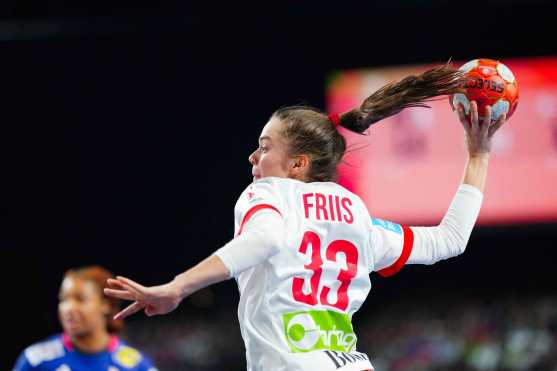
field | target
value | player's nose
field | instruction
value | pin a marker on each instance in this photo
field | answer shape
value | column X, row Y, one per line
column 253, row 158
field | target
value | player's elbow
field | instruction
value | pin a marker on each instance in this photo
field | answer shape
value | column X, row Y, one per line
column 455, row 241
column 460, row 248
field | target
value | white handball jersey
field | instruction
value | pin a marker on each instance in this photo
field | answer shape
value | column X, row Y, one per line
column 296, row 308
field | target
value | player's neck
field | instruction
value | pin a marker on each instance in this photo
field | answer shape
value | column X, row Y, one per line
column 94, row 342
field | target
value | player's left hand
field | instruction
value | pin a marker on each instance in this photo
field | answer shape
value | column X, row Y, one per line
column 479, row 134
column 152, row 300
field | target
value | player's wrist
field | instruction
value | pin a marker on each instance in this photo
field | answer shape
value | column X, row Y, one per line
column 179, row 287
column 479, row 156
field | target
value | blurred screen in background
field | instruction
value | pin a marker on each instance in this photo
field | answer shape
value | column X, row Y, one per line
column 409, row 166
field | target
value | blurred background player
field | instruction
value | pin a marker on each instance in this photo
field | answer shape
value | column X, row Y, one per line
column 305, row 246
column 89, row 340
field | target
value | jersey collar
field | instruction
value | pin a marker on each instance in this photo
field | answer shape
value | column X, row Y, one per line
column 112, row 343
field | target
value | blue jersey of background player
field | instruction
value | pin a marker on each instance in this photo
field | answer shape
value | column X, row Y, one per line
column 88, row 341
column 58, row 353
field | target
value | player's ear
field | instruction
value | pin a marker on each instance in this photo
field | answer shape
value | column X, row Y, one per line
column 299, row 166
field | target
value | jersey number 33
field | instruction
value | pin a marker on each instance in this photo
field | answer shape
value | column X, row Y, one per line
column 319, row 292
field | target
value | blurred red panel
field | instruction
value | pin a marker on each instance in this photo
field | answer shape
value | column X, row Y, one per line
column 409, row 166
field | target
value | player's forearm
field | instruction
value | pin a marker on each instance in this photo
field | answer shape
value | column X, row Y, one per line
column 209, row 271
column 475, row 173
column 450, row 237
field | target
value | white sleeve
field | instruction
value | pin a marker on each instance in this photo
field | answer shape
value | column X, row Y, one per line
column 448, row 239
column 260, row 238
column 395, row 245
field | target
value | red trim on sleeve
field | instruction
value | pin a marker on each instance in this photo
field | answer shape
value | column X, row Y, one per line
column 252, row 211
column 406, row 250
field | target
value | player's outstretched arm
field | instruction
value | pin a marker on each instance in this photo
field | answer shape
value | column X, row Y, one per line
column 165, row 298
column 260, row 239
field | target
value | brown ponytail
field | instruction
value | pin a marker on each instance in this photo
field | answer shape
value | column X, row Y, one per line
column 98, row 276
column 310, row 131
column 412, row 91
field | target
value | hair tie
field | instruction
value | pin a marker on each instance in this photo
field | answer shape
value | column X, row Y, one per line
column 335, row 119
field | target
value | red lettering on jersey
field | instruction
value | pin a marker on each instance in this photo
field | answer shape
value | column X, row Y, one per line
column 320, row 201
column 307, row 205
column 331, row 207
column 350, row 218
column 337, row 204
column 328, row 207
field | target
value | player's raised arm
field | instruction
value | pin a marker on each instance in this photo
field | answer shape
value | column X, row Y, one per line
column 428, row 245
column 451, row 236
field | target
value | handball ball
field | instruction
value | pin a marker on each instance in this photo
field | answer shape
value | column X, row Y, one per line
column 491, row 84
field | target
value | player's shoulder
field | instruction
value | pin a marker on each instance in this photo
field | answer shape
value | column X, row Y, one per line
column 278, row 184
column 268, row 188
column 45, row 350
column 275, row 190
column 130, row 357
column 275, row 183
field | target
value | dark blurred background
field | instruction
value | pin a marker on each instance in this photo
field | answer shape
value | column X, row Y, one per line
column 125, row 139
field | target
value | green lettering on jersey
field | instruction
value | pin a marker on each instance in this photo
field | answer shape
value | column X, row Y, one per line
column 318, row 330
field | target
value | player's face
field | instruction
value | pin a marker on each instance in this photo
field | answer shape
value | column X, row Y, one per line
column 81, row 308
column 271, row 157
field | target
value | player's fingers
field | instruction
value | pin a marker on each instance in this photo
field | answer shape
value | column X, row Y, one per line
column 474, row 121
column 139, row 295
column 129, row 310
column 486, row 122
column 131, row 284
column 462, row 116
column 115, row 284
column 120, row 294
column 494, row 127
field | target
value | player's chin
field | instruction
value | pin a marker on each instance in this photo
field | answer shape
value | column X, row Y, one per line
column 73, row 328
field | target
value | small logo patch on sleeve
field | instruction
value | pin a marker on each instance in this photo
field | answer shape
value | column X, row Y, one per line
column 127, row 357
column 385, row 224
